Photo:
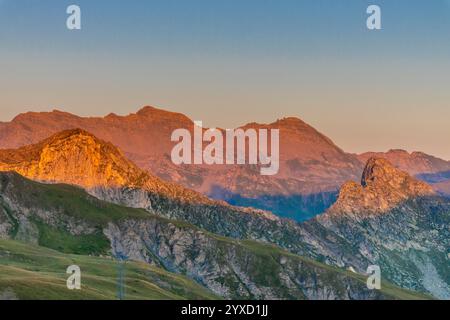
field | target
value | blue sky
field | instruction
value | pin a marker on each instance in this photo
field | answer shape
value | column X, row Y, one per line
column 235, row 61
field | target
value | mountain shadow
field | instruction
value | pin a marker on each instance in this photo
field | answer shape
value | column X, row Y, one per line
column 298, row 207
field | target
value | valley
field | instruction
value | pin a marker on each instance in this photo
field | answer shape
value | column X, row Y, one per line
column 31, row 272
column 312, row 167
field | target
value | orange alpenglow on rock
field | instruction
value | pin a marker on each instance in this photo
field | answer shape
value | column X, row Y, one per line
column 383, row 187
column 74, row 157
column 77, row 157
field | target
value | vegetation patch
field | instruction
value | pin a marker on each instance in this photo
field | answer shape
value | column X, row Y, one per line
column 62, row 241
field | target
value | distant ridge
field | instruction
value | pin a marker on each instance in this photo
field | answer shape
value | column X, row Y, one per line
column 312, row 167
column 414, row 163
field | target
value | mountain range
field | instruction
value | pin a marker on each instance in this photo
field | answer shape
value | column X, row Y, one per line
column 69, row 221
column 312, row 167
column 390, row 219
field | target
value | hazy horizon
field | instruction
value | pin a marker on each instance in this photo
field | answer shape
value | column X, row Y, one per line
column 225, row 127
column 228, row 63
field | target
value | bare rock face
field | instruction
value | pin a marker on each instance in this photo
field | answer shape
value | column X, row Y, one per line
column 5, row 225
column 396, row 222
column 229, row 269
column 380, row 172
column 425, row 167
column 383, row 187
column 74, row 157
column 79, row 158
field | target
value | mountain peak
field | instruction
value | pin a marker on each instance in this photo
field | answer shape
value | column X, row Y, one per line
column 148, row 110
column 33, row 115
column 73, row 132
column 382, row 188
column 77, row 157
column 153, row 112
column 74, row 156
column 378, row 170
column 290, row 122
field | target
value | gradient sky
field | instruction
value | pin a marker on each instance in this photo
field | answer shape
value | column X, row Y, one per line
column 229, row 62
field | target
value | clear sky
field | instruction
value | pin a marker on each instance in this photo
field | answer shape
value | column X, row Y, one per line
column 229, row 62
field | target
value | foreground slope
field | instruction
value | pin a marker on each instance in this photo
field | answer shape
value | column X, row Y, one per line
column 30, row 272
column 67, row 219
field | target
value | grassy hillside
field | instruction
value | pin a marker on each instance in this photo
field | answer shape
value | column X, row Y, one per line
column 69, row 221
column 33, row 272
column 389, row 290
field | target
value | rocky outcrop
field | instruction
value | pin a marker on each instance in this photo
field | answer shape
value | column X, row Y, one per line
column 79, row 158
column 383, row 187
column 232, row 269
column 425, row 167
column 396, row 222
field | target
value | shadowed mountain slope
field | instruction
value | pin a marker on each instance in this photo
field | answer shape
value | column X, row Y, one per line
column 397, row 222
column 68, row 220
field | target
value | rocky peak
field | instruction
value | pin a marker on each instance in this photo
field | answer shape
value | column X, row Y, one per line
column 379, row 172
column 290, row 121
column 382, row 188
column 296, row 126
column 72, row 156
column 163, row 116
column 79, row 158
